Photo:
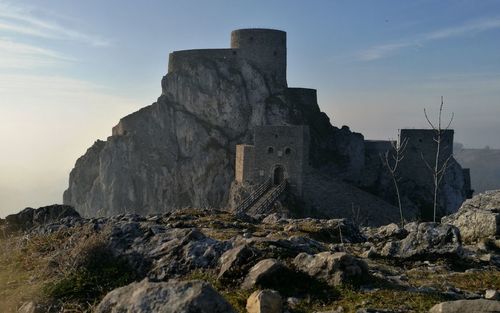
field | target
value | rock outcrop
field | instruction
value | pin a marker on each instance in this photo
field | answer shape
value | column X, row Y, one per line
column 263, row 272
column 78, row 260
column 173, row 296
column 423, row 240
column 264, row 301
column 334, row 268
column 478, row 218
column 29, row 217
column 476, row 306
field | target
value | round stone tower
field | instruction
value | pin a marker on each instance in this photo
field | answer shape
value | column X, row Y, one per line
column 265, row 48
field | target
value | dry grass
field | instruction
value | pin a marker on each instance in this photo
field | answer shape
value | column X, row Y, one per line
column 69, row 270
column 473, row 281
column 24, row 264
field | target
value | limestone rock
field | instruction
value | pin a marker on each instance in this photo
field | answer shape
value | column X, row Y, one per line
column 28, row 307
column 370, row 310
column 478, row 217
column 385, row 233
column 172, row 296
column 262, row 273
column 425, row 240
column 333, row 268
column 492, row 294
column 30, row 217
column 460, row 306
column 264, row 301
column 235, row 262
column 337, row 310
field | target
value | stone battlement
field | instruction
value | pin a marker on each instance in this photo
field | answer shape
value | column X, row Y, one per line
column 263, row 48
column 179, row 60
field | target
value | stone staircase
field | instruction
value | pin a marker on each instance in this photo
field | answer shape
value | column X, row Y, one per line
column 262, row 198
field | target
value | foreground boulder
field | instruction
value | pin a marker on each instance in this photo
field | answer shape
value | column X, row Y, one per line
column 384, row 233
column 264, row 273
column 425, row 240
column 173, row 297
column 478, row 217
column 29, row 217
column 460, row 306
column 333, row 268
column 235, row 262
column 264, row 301
column 164, row 252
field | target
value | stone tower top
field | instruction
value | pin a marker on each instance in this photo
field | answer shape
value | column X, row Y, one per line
column 265, row 47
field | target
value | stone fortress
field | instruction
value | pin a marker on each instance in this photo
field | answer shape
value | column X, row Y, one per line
column 225, row 124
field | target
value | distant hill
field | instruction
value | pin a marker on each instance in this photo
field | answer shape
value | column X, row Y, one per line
column 484, row 165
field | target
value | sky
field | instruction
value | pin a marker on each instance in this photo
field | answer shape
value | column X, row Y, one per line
column 69, row 70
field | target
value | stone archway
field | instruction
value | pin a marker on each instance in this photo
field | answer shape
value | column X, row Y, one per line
column 278, row 175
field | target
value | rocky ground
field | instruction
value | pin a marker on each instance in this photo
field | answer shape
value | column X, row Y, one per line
column 52, row 260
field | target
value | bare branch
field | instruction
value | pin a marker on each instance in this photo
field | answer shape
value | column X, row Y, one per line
column 428, row 120
column 451, row 120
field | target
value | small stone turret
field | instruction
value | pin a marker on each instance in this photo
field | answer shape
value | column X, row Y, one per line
column 266, row 48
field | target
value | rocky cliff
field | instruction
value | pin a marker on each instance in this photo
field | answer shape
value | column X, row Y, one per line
column 179, row 151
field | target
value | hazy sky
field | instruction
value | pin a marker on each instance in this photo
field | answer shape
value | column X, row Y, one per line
column 70, row 69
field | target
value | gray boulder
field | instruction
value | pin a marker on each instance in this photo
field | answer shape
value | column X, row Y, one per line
column 263, row 273
column 478, row 217
column 492, row 294
column 172, row 297
column 333, row 268
column 384, row 233
column 425, row 240
column 462, row 306
column 235, row 262
column 170, row 252
column 264, row 301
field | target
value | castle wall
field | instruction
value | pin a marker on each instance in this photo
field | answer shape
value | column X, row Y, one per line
column 244, row 163
column 183, row 59
column 422, row 146
column 468, row 183
column 285, row 146
column 266, row 48
column 375, row 151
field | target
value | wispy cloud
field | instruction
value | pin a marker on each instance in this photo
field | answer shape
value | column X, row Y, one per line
column 22, row 20
column 388, row 49
column 15, row 55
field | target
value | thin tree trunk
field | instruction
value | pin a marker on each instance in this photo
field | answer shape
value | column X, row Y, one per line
column 399, row 201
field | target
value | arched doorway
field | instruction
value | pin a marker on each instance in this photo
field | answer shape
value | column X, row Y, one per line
column 278, row 175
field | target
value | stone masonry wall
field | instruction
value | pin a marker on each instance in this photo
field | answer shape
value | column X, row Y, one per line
column 285, row 146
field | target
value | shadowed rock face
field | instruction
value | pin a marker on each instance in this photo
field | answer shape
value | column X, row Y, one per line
column 179, row 151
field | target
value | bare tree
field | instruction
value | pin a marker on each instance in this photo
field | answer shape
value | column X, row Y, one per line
column 391, row 160
column 438, row 169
